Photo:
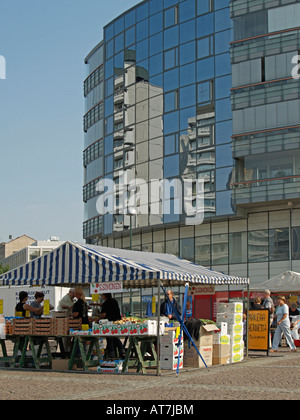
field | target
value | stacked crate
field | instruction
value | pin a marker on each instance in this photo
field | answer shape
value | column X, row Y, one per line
column 21, row 327
column 232, row 314
column 62, row 326
column 42, row 326
column 169, row 352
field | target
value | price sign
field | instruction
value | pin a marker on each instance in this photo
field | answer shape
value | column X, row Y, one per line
column 46, row 307
column 1, row 306
column 259, row 328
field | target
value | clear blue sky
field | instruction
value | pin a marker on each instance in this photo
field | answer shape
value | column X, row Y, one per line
column 41, row 109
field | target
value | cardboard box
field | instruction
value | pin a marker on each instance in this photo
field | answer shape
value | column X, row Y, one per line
column 206, row 335
column 60, row 364
column 223, row 328
column 237, row 357
column 236, row 328
column 218, row 338
column 170, row 363
column 192, row 359
column 230, row 318
column 221, row 354
column 232, row 307
column 236, row 338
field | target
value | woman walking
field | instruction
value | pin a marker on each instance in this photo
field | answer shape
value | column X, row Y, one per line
column 283, row 326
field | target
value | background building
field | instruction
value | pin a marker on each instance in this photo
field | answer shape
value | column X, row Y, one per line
column 200, row 89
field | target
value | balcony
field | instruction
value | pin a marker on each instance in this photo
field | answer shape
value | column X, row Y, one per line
column 265, row 190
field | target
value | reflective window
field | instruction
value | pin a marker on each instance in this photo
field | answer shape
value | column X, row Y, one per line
column 205, row 69
column 171, row 166
column 223, row 132
column 109, row 48
column 204, row 92
column 155, row 63
column 142, row 50
column 142, row 12
column 187, row 74
column 187, row 31
column 171, row 58
column 203, row 6
column 187, row 10
column 156, row 44
column 187, row 249
column 279, row 244
column 205, row 25
column 258, row 244
column 296, row 243
column 187, row 96
column 171, row 122
column 130, row 18
column 204, row 47
column 130, row 37
column 237, row 247
column 171, row 17
column 142, row 30
column 223, row 65
column 224, row 155
column 223, row 86
column 223, row 110
column 171, row 101
column 222, row 20
column 187, row 53
column 155, row 6
column 220, row 249
column 202, row 251
column 171, row 37
column 171, row 144
column 222, row 41
column 155, row 23
column 171, row 80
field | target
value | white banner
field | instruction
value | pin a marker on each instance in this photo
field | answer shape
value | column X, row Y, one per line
column 202, row 290
column 109, row 287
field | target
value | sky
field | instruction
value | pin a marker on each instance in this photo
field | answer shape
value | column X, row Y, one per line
column 44, row 44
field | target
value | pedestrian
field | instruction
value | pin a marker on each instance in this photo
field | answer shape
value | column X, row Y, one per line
column 111, row 311
column 283, row 326
column 269, row 304
column 167, row 308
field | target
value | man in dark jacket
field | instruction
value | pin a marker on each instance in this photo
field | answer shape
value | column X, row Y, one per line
column 166, row 308
column 111, row 311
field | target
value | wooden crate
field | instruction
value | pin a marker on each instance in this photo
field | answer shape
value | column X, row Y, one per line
column 22, row 326
column 42, row 326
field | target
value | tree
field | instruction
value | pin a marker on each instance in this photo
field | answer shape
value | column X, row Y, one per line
column 3, row 269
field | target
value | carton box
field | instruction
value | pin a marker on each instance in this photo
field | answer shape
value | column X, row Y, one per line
column 170, row 363
column 237, row 357
column 236, row 328
column 206, row 335
column 171, row 352
column 233, row 318
column 60, row 364
column 232, row 307
column 192, row 359
column 219, row 338
column 236, row 338
column 221, row 354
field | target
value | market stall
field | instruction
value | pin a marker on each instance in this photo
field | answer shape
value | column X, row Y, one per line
column 80, row 264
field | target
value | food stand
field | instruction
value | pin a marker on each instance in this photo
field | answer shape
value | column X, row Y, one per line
column 74, row 264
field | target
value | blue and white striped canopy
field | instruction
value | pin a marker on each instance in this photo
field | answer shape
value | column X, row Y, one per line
column 73, row 263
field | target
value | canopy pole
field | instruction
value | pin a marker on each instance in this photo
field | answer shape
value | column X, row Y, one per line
column 181, row 328
column 247, row 322
column 158, row 369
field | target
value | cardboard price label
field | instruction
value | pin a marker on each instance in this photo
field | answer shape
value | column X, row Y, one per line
column 46, row 307
column 1, row 306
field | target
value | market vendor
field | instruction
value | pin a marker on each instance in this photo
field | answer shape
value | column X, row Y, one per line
column 67, row 302
column 37, row 305
column 111, row 311
column 167, row 308
column 22, row 307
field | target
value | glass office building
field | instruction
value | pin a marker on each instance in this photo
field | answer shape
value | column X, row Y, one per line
column 197, row 90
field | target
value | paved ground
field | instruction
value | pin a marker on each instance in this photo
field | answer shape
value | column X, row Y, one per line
column 259, row 378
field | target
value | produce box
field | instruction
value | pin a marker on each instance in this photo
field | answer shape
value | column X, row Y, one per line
column 42, row 326
column 206, row 335
column 171, row 351
column 192, row 359
column 221, row 354
column 21, row 326
column 232, row 307
column 219, row 338
column 230, row 318
column 170, row 363
column 236, row 328
column 236, row 338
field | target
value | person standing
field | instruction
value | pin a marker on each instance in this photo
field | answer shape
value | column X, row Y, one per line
column 111, row 311
column 269, row 304
column 80, row 308
column 283, row 326
column 23, row 308
column 37, row 304
column 67, row 302
column 167, row 308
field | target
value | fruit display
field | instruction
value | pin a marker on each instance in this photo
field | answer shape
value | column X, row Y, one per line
column 127, row 326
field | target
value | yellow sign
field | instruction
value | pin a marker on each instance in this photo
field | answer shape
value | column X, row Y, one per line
column 1, row 306
column 95, row 297
column 46, row 307
column 153, row 305
column 85, row 327
column 259, row 330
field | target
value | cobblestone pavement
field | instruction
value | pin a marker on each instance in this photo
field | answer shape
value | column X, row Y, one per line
column 258, row 378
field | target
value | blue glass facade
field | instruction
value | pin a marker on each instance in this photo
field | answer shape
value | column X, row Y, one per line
column 198, row 90
column 166, row 78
